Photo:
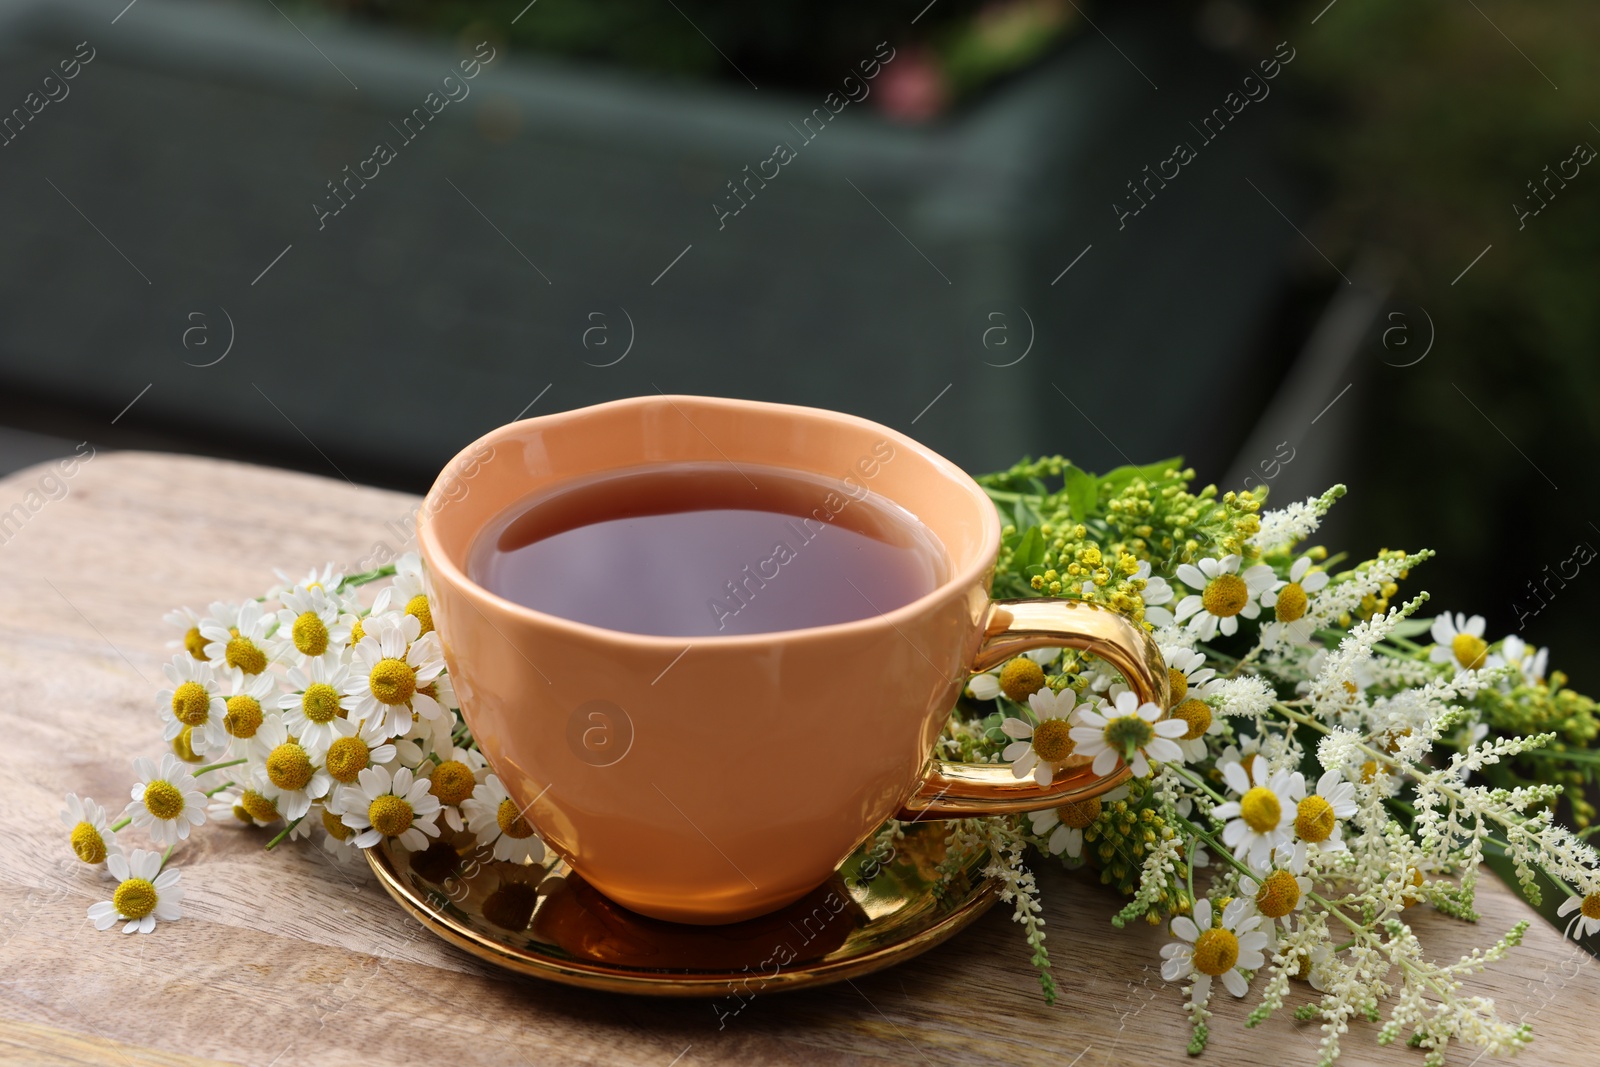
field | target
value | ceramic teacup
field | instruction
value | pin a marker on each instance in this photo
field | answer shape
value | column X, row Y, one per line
column 713, row 779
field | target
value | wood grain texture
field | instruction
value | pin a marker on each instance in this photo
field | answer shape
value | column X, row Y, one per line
column 288, row 959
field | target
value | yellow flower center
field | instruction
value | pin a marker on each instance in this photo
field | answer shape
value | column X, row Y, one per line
column 163, row 800
column 1591, row 906
column 1260, row 809
column 1126, row 733
column 191, row 704
column 242, row 815
column 347, row 758
column 1313, row 819
column 1052, row 740
column 1470, row 652
column 1079, row 813
column 1021, row 678
column 243, row 653
column 357, row 632
column 134, row 898
column 310, row 634
column 1369, row 771
column 1278, row 895
column 1177, row 684
column 452, row 782
column 417, row 608
column 288, row 766
column 1216, row 951
column 320, row 702
column 183, row 745
column 244, row 716
column 393, row 681
column 1196, row 714
column 390, row 815
column 88, row 844
column 1291, row 602
column 195, row 643
column 262, row 809
column 335, row 826
column 512, row 824
column 1225, row 595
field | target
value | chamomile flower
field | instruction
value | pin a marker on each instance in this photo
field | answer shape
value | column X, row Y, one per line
column 1203, row 951
column 1459, row 642
column 397, row 806
column 1065, row 824
column 167, row 801
column 248, row 698
column 986, row 684
column 355, row 747
column 392, row 665
column 1199, row 723
column 92, row 841
column 290, row 774
column 1187, row 673
column 239, row 636
column 145, row 893
column 1263, row 816
column 407, row 593
column 494, row 818
column 455, row 774
column 329, row 579
column 188, row 621
column 1587, row 919
column 1319, row 816
column 310, row 623
column 1531, row 664
column 192, row 699
column 1278, row 893
column 1037, row 750
column 227, row 808
column 1290, row 600
column 317, row 694
column 1128, row 732
column 1224, row 595
column 1157, row 594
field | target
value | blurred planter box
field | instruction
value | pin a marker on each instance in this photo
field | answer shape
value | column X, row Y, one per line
column 200, row 135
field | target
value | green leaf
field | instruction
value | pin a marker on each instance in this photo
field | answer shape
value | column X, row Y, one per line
column 1083, row 493
column 1030, row 550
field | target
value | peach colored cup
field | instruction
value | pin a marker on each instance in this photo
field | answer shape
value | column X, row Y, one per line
column 716, row 778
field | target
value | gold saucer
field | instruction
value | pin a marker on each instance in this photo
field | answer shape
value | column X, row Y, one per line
column 544, row 920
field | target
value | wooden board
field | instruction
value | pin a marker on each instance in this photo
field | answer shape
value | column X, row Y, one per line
column 282, row 959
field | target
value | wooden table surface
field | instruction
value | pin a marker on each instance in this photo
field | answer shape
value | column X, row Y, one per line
column 278, row 962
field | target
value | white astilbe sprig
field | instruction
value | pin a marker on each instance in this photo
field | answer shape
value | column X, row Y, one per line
column 1336, row 688
column 1288, row 526
column 1018, row 887
column 1245, row 697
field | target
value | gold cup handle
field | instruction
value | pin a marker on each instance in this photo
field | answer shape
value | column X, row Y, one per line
column 968, row 790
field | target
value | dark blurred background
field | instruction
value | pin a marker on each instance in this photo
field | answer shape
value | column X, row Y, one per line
column 1374, row 263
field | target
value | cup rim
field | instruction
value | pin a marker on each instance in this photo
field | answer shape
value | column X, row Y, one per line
column 973, row 574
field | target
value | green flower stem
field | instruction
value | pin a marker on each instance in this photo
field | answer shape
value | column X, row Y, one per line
column 219, row 789
column 219, row 766
column 1195, row 779
column 165, row 856
column 385, row 571
column 283, row 833
column 120, row 823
